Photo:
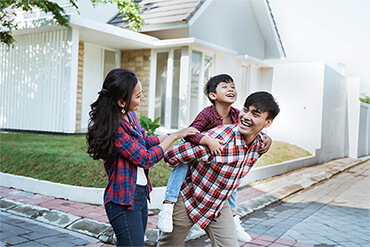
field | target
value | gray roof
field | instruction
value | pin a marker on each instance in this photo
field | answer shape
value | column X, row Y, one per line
column 162, row 11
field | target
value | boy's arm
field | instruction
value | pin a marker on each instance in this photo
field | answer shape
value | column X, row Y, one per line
column 186, row 151
column 201, row 122
column 266, row 144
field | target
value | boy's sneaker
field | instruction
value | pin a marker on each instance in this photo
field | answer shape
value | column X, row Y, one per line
column 165, row 218
column 240, row 233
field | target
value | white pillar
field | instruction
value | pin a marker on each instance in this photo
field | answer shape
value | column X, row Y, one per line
column 71, row 84
column 353, row 94
column 184, row 96
column 152, row 84
column 168, row 107
column 253, row 78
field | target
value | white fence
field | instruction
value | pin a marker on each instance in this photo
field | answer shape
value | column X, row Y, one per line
column 33, row 77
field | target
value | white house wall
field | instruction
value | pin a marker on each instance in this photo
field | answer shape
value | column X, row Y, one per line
column 226, row 64
column 353, row 90
column 298, row 89
column 230, row 24
column 364, row 130
column 334, row 138
column 33, row 81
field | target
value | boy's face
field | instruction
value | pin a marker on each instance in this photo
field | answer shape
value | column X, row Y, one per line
column 252, row 121
column 225, row 93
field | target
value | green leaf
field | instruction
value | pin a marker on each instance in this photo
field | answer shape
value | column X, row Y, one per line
column 149, row 125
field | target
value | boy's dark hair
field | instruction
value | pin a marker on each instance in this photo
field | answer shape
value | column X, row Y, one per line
column 265, row 102
column 212, row 83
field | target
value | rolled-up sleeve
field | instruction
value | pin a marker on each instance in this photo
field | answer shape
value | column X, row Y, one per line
column 136, row 153
column 186, row 152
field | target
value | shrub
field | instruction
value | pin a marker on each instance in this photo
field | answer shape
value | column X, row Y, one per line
column 148, row 124
column 366, row 99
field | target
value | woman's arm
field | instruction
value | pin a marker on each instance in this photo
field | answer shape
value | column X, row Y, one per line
column 169, row 139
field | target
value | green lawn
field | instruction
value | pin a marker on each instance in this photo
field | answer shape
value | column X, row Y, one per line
column 63, row 159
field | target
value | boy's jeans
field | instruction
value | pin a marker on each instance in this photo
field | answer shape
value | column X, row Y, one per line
column 176, row 180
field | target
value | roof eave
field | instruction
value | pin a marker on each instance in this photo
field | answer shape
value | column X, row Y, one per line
column 191, row 41
column 164, row 26
column 109, row 32
column 268, row 26
column 276, row 33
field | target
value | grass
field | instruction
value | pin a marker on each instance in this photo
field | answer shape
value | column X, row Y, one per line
column 63, row 159
column 279, row 152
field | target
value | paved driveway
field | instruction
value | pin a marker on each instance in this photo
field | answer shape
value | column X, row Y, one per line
column 333, row 213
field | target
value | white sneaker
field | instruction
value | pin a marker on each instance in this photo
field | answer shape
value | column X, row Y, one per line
column 165, row 218
column 240, row 233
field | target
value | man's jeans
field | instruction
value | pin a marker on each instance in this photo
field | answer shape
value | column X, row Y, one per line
column 129, row 225
column 176, row 180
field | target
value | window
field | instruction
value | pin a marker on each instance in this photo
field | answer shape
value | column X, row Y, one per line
column 110, row 61
column 201, row 71
column 166, row 95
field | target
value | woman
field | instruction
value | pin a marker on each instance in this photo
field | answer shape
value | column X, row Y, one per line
column 115, row 136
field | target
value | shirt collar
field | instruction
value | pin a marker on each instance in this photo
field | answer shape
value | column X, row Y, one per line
column 239, row 141
column 215, row 112
column 238, row 137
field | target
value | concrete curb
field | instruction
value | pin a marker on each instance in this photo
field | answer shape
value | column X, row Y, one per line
column 275, row 189
column 95, row 195
column 47, row 188
column 99, row 230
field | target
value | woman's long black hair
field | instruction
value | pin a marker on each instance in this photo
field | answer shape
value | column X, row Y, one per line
column 105, row 113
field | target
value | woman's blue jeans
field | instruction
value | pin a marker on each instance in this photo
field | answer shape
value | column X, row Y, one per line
column 130, row 225
column 176, row 180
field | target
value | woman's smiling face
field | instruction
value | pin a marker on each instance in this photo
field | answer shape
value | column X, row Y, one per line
column 137, row 97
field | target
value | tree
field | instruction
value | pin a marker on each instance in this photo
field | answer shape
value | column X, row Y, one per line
column 130, row 10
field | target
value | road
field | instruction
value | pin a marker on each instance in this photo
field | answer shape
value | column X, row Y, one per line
column 19, row 231
column 335, row 212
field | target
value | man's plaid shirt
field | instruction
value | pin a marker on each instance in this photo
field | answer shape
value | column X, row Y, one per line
column 212, row 179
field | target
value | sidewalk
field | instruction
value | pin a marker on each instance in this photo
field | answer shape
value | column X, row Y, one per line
column 91, row 219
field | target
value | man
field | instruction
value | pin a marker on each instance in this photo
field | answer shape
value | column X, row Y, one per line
column 212, row 179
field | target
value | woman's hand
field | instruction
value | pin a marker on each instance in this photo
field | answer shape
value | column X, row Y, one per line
column 167, row 142
column 185, row 132
column 267, row 142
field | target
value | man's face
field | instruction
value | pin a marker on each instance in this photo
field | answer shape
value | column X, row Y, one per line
column 252, row 121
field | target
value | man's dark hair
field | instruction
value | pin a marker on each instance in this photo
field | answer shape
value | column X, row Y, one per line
column 264, row 102
column 212, row 83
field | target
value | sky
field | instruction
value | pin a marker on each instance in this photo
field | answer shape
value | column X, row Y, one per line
column 330, row 31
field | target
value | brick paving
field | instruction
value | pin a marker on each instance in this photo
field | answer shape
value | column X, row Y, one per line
column 252, row 196
column 94, row 212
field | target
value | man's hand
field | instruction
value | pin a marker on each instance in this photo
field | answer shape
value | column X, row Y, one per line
column 267, row 144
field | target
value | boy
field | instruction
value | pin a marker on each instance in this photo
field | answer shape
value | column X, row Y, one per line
column 222, row 93
column 212, row 179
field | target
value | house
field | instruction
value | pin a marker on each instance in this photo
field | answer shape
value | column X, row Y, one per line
column 50, row 78
column 53, row 74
